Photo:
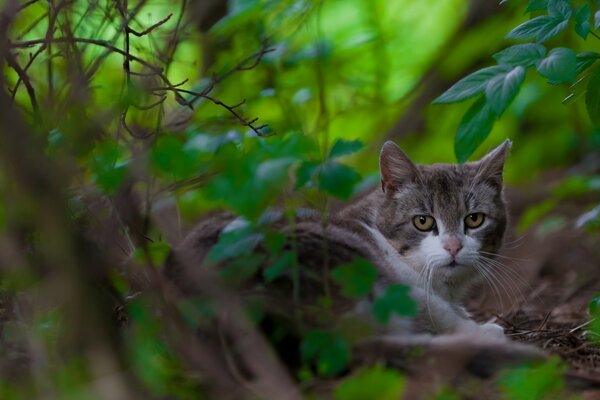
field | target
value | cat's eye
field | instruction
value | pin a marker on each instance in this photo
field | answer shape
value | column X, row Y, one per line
column 474, row 220
column 424, row 222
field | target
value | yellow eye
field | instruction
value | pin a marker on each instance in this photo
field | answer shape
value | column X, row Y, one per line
column 474, row 220
column 424, row 222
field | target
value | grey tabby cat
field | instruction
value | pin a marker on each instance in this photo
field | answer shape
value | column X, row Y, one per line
column 437, row 228
column 433, row 227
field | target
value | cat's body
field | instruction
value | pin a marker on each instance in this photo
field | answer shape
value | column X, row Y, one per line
column 431, row 227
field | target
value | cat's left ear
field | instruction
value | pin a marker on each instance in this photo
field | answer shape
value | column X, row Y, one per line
column 491, row 166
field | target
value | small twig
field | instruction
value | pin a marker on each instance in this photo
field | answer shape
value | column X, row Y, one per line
column 150, row 29
column 583, row 325
column 539, row 328
column 149, row 106
column 32, row 58
column 10, row 59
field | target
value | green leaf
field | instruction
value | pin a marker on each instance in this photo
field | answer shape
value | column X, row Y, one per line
column 597, row 19
column 330, row 352
column 306, row 172
column 239, row 270
column 281, row 264
column 527, row 54
column 560, row 9
column 559, row 66
column 235, row 243
column 551, row 30
column 356, row 278
column 395, row 300
column 582, row 21
column 530, row 29
column 536, row 5
column 343, row 147
column 470, row 85
column 585, row 60
column 501, row 90
column 338, row 180
column 107, row 167
column 541, row 28
column 158, row 252
column 592, row 98
column 389, row 384
column 594, row 306
column 474, row 128
column 535, row 382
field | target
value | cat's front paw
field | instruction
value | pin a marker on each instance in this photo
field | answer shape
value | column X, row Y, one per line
column 491, row 330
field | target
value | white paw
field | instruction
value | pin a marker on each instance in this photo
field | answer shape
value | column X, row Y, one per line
column 491, row 330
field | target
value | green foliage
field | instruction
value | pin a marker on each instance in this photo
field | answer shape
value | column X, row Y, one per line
column 501, row 84
column 375, row 383
column 535, row 382
column 592, row 98
column 109, row 165
column 395, row 300
column 328, row 352
column 559, row 65
column 356, row 279
column 338, row 179
column 473, row 129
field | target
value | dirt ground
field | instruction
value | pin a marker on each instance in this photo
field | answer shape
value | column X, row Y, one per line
column 550, row 278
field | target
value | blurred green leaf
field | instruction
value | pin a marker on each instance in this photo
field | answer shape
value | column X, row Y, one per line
column 343, row 147
column 237, row 271
column 108, row 167
column 536, row 5
column 356, row 278
column 474, row 128
column 597, row 20
column 559, row 66
column 306, row 172
column 582, row 20
column 526, row 54
column 560, row 9
column 395, row 300
column 535, row 382
column 470, row 85
column 375, row 383
column 331, row 353
column 282, row 263
column 592, row 98
column 235, row 243
column 503, row 88
column 338, row 179
column 585, row 60
column 594, row 306
column 157, row 251
column 535, row 213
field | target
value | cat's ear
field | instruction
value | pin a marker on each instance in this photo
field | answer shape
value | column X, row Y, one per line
column 395, row 167
column 491, row 166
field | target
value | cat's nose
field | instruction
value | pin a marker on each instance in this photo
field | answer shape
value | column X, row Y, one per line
column 453, row 246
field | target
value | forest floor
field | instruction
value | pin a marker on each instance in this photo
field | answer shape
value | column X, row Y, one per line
column 555, row 274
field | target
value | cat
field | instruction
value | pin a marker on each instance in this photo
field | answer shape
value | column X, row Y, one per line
column 432, row 227
column 438, row 229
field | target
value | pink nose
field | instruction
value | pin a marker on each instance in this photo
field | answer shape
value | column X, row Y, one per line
column 453, row 246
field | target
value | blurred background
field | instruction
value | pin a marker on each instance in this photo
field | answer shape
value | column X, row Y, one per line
column 124, row 123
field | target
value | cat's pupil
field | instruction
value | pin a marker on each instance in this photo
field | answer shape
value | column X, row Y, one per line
column 422, row 220
column 473, row 217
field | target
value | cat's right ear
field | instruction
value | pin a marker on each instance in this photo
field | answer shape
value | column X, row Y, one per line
column 395, row 167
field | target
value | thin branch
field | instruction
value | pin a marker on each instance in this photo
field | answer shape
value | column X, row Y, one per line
column 26, row 81
column 32, row 58
column 150, row 29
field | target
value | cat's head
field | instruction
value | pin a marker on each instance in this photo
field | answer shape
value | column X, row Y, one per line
column 444, row 219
